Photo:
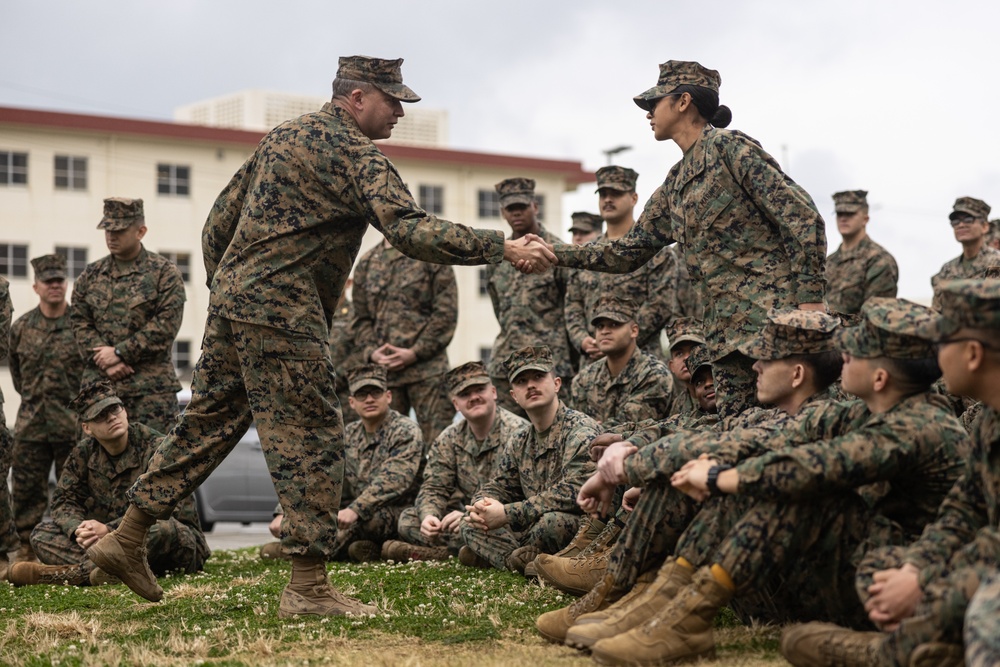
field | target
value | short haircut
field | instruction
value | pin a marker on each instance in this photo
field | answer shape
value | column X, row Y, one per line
column 343, row 87
column 912, row 376
column 826, row 366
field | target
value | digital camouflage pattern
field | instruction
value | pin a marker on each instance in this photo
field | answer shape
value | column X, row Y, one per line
column 384, row 74
column 93, row 486
column 616, row 177
column 538, row 479
column 642, row 390
column 538, row 358
column 48, row 267
column 367, row 375
column 45, row 368
column 962, row 268
column 792, row 332
column 516, row 190
column 585, row 222
column 343, row 353
column 380, row 476
column 121, row 213
column 889, row 328
column 982, row 624
column 854, row 276
column 414, row 305
column 656, row 286
column 965, row 303
column 977, row 208
column 278, row 245
column 8, row 533
column 752, row 240
column 135, row 307
column 457, row 467
column 469, row 374
column 675, row 73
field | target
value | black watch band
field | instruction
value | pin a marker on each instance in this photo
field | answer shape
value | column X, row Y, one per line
column 713, row 478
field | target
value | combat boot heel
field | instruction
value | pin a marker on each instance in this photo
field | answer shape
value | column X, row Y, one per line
column 553, row 624
column 590, row 528
column 309, row 593
column 122, row 553
column 575, row 575
column 644, row 581
column 31, row 573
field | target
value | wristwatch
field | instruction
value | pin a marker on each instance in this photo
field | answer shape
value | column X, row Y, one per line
column 117, row 353
column 713, row 478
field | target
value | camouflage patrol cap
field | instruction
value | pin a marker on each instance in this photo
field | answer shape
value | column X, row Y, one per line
column 891, row 328
column 49, row 267
column 586, row 222
column 369, row 375
column 700, row 358
column 93, row 398
column 685, row 329
column 850, row 201
column 386, row 75
column 790, row 332
column 974, row 304
column 675, row 73
column 121, row 213
column 467, row 375
column 616, row 178
column 537, row 358
column 516, row 191
column 614, row 308
column 977, row 208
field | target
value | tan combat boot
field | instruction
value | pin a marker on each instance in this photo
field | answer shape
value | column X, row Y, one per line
column 122, row 553
column 553, row 624
column 402, row 552
column 937, row 654
column 644, row 581
column 25, row 553
column 588, row 531
column 680, row 632
column 99, row 577
column 520, row 558
column 575, row 575
column 273, row 551
column 469, row 558
column 819, row 644
column 622, row 617
column 363, row 551
column 310, row 594
column 606, row 539
column 30, row 573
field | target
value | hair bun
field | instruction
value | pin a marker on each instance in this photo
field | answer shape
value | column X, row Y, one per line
column 722, row 117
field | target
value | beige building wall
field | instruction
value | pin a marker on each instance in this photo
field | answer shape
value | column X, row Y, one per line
column 122, row 158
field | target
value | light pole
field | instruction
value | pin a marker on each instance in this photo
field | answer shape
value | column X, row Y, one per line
column 611, row 152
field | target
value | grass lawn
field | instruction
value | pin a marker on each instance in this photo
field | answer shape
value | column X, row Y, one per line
column 434, row 614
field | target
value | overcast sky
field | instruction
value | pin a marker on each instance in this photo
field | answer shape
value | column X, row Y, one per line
column 899, row 98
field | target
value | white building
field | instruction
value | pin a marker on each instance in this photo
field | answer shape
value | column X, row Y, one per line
column 56, row 168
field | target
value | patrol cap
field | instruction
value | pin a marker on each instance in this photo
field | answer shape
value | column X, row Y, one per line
column 386, row 75
column 49, row 267
column 891, row 328
column 369, row 375
column 977, row 208
column 94, row 397
column 850, row 201
column 516, row 191
column 467, row 375
column 529, row 358
column 700, row 358
column 616, row 178
column 685, row 329
column 614, row 308
column 121, row 213
column 675, row 73
column 789, row 332
column 968, row 303
column 586, row 222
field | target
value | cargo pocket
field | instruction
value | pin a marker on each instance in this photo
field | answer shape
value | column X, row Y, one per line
column 302, row 379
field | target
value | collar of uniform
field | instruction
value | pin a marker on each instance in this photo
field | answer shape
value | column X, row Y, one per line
column 856, row 250
column 693, row 162
column 341, row 114
column 138, row 265
column 101, row 463
column 627, row 371
column 491, row 442
column 555, row 431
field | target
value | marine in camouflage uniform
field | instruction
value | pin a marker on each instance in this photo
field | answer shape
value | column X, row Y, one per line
column 404, row 303
column 982, row 624
column 92, row 488
column 132, row 305
column 627, row 385
column 343, row 353
column 684, row 336
column 860, row 268
column 585, row 227
column 382, row 461
column 657, row 286
column 529, row 308
column 45, row 367
column 540, row 471
column 8, row 532
column 459, row 463
column 968, row 219
column 752, row 238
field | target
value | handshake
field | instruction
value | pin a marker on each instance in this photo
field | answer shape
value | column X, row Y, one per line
column 529, row 254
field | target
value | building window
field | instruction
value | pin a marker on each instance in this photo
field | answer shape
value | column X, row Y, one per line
column 13, row 260
column 484, row 355
column 489, row 204
column 71, row 173
column 432, row 199
column 182, row 261
column 540, row 200
column 76, row 260
column 182, row 355
column 13, row 168
column 173, row 179
column 484, row 283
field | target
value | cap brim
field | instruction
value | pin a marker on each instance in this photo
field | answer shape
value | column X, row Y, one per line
column 470, row 382
column 618, row 187
column 398, row 91
column 117, row 225
column 849, row 340
column 937, row 328
column 688, row 338
column 529, row 367
column 510, row 200
column 96, row 408
column 618, row 318
column 758, row 348
column 355, row 386
column 646, row 100
column 50, row 275
column 847, row 208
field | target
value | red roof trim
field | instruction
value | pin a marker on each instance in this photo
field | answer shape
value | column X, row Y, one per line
column 572, row 171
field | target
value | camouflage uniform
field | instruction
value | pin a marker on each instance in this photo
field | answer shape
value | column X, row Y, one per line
column 135, row 307
column 642, row 390
column 279, row 244
column 982, row 624
column 751, row 237
column 960, row 267
column 409, row 304
column 457, row 467
column 93, row 486
column 45, row 367
column 8, row 533
column 343, row 353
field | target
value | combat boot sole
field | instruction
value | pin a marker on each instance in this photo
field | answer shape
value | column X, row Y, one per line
column 401, row 552
column 31, row 573
column 320, row 600
column 818, row 644
column 553, row 625
column 131, row 567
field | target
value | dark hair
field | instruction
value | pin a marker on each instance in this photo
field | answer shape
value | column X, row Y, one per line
column 826, row 366
column 706, row 101
column 912, row 375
